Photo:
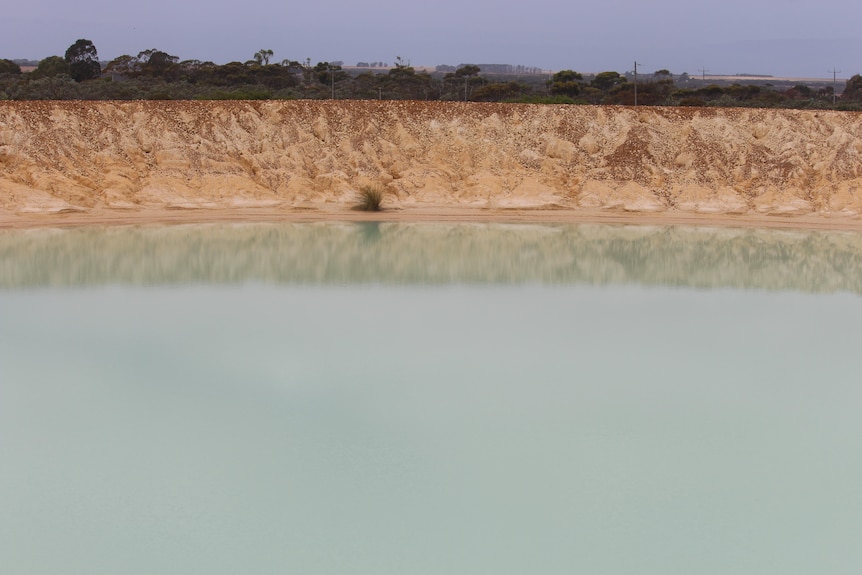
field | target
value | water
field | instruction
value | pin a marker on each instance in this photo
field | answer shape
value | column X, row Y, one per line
column 429, row 399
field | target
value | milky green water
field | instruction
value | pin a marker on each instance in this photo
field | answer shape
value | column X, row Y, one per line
column 337, row 398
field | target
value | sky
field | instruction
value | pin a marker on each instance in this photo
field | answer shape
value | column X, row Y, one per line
column 786, row 38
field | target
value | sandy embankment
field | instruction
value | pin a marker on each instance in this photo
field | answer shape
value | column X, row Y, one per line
column 88, row 162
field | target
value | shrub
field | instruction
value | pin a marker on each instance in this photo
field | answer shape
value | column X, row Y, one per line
column 692, row 101
column 370, row 199
column 543, row 100
column 241, row 93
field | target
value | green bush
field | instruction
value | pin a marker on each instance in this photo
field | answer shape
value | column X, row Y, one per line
column 542, row 100
column 239, row 94
column 692, row 101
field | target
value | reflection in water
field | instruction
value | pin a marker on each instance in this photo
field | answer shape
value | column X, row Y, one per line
column 255, row 420
column 328, row 253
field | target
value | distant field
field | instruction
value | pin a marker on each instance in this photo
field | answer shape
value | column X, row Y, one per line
column 769, row 79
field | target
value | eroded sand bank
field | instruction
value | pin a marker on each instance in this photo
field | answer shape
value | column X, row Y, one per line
column 95, row 162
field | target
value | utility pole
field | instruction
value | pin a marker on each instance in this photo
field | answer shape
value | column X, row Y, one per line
column 834, row 75
column 703, row 72
column 636, row 82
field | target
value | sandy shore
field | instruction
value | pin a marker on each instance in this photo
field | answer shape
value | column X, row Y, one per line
column 249, row 215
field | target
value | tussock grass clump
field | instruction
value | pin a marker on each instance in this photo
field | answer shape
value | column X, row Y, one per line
column 370, row 199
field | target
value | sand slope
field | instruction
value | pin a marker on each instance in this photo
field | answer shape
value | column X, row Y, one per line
column 58, row 157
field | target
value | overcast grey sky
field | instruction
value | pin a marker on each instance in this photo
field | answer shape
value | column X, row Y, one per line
column 777, row 37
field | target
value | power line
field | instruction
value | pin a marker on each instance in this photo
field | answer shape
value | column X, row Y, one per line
column 834, row 73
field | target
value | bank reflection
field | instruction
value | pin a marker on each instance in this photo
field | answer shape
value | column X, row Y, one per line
column 433, row 253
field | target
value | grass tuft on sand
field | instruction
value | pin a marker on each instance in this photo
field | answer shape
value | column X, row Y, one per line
column 370, row 199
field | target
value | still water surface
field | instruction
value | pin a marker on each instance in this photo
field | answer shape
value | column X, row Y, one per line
column 428, row 398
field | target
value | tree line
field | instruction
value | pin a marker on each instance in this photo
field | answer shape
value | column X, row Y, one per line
column 154, row 74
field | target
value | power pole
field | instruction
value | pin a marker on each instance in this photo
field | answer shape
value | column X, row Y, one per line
column 636, row 82
column 703, row 72
column 834, row 75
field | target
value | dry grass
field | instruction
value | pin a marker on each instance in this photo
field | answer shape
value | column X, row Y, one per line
column 370, row 199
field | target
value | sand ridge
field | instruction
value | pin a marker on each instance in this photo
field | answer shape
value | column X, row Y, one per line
column 151, row 159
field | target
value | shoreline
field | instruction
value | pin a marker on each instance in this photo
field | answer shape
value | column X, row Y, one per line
column 142, row 217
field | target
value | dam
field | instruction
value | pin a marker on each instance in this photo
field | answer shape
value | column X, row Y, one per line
column 527, row 389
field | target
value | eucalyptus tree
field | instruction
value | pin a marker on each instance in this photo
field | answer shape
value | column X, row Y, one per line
column 83, row 60
column 262, row 57
column 50, row 67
